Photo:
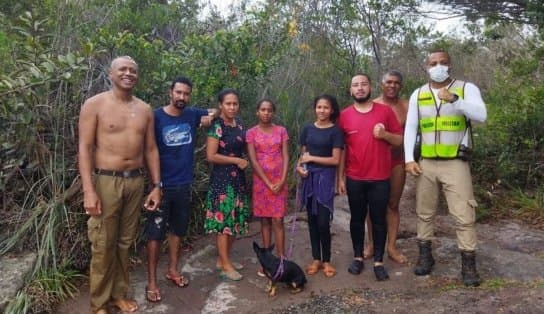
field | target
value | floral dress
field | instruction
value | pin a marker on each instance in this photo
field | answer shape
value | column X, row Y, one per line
column 226, row 204
column 268, row 152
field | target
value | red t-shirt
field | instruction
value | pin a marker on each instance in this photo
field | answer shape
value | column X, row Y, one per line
column 367, row 158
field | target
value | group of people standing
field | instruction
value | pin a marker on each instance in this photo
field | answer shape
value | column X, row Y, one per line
column 356, row 151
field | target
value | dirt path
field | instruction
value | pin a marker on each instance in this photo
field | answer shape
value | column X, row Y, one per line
column 510, row 260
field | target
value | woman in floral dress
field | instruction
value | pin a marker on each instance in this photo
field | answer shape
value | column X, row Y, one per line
column 226, row 204
column 267, row 149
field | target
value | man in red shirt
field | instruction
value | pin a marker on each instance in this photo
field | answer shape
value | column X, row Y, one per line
column 369, row 130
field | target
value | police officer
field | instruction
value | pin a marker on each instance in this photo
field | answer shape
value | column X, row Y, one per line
column 441, row 112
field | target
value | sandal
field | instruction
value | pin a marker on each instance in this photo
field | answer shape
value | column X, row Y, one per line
column 328, row 270
column 186, row 247
column 178, row 280
column 313, row 268
column 231, row 275
column 152, row 296
column 235, row 265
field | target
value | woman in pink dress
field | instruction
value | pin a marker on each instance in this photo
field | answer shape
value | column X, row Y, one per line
column 269, row 156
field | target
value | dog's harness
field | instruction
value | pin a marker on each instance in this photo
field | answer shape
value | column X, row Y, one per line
column 280, row 270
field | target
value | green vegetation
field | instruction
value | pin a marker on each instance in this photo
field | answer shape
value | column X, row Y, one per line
column 495, row 284
column 54, row 55
column 47, row 288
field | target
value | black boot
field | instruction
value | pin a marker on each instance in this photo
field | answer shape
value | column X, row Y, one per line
column 425, row 261
column 468, row 269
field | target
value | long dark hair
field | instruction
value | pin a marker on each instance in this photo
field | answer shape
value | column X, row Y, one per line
column 334, row 105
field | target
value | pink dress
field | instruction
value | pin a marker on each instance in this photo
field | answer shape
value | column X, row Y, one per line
column 268, row 151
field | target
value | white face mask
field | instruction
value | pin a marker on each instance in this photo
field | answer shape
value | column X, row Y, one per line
column 439, row 73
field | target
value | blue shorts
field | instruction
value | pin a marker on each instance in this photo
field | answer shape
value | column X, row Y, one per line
column 172, row 216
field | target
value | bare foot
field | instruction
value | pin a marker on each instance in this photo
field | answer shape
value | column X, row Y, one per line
column 397, row 256
column 368, row 252
column 125, row 305
column 101, row 311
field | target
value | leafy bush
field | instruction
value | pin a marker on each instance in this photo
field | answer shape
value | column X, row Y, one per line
column 510, row 146
column 509, row 150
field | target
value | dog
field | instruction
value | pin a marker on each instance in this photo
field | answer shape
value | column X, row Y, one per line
column 292, row 274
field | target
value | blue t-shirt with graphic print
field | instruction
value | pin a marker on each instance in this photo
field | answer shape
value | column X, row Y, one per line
column 175, row 136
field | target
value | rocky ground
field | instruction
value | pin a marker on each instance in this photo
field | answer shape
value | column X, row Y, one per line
column 510, row 260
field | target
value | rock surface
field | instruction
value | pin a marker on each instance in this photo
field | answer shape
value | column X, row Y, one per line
column 13, row 269
column 510, row 259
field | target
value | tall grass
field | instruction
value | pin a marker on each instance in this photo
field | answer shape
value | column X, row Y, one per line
column 527, row 205
column 22, row 303
column 47, row 288
column 40, row 195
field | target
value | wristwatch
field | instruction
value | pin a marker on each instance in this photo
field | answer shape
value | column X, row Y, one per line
column 157, row 185
column 455, row 98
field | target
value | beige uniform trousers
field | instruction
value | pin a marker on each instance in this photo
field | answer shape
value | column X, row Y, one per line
column 111, row 234
column 455, row 179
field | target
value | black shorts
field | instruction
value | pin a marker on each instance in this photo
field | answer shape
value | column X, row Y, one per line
column 172, row 216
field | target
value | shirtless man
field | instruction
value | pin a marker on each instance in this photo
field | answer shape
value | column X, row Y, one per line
column 116, row 140
column 391, row 85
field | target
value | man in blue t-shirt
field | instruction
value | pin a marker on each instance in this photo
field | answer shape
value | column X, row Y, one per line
column 175, row 130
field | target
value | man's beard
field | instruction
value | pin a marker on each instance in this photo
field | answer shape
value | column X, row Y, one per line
column 179, row 104
column 361, row 100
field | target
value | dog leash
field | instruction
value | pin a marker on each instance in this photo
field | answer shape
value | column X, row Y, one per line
column 280, row 270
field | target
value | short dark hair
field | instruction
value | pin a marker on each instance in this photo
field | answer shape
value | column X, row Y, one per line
column 182, row 80
column 362, row 74
column 334, row 105
column 263, row 100
column 393, row 73
column 437, row 50
column 226, row 91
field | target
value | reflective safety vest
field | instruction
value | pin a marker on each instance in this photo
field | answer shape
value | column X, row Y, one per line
column 442, row 127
